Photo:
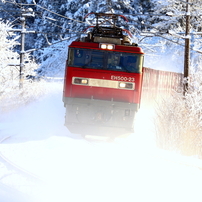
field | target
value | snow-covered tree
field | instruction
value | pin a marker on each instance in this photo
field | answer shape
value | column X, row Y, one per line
column 67, row 20
column 9, row 58
column 7, row 55
column 10, row 94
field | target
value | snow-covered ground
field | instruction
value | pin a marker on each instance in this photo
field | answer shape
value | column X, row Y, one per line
column 74, row 169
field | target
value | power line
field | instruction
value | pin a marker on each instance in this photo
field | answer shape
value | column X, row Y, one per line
column 23, row 31
column 191, row 4
column 159, row 35
column 48, row 19
column 21, row 4
column 43, row 18
column 31, row 50
column 151, row 14
column 60, row 14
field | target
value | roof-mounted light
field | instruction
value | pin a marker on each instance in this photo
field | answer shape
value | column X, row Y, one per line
column 110, row 46
column 107, row 46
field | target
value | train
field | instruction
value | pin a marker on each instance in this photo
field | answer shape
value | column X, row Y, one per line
column 104, row 80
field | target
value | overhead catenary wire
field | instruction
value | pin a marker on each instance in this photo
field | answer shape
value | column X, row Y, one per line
column 20, row 4
column 186, row 2
column 53, row 24
column 32, row 50
column 15, row 3
column 157, row 34
column 191, row 4
column 10, row 15
column 35, row 4
column 48, row 19
column 59, row 14
column 43, row 18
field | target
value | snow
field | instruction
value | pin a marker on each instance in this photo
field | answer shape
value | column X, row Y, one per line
column 74, row 169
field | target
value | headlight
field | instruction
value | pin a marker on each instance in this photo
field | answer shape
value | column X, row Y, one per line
column 103, row 46
column 124, row 85
column 80, row 81
column 107, row 46
column 110, row 47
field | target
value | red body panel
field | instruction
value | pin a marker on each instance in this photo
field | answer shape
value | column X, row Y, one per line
column 119, row 48
column 102, row 93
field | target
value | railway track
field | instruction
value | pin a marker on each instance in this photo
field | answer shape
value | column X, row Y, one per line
column 17, row 180
column 10, row 194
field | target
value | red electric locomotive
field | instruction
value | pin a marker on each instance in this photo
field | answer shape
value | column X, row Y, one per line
column 103, row 81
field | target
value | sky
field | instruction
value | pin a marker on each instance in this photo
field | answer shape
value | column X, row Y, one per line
column 71, row 168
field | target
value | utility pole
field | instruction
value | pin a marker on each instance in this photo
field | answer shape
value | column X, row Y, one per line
column 187, row 50
column 24, row 14
column 22, row 51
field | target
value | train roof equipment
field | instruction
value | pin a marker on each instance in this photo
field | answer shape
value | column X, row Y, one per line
column 106, row 30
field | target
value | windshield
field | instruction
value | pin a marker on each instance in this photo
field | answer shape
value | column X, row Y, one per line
column 96, row 59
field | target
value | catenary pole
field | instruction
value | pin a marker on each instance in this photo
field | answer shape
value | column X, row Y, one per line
column 187, row 49
column 22, row 51
column 24, row 14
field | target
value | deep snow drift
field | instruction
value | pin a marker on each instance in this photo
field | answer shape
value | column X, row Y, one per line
column 74, row 169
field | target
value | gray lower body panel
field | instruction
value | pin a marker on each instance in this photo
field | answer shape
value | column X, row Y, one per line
column 99, row 117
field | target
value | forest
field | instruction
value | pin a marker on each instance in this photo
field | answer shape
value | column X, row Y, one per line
column 157, row 26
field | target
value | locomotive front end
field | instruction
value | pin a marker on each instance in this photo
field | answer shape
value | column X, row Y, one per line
column 102, row 87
